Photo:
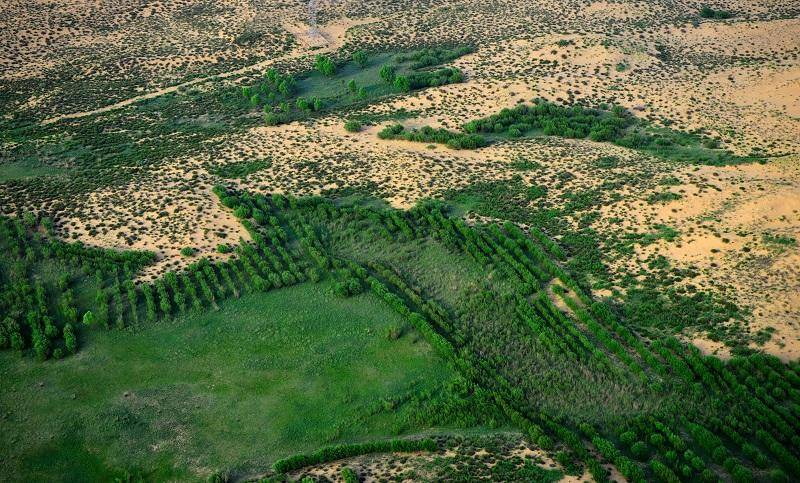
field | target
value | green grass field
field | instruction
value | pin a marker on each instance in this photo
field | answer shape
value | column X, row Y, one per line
column 266, row 376
column 334, row 90
column 21, row 170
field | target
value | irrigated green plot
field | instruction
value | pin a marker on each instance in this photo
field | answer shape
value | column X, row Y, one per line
column 266, row 376
column 24, row 170
column 336, row 91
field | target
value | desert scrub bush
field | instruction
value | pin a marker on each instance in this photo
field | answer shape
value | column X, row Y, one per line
column 352, row 126
column 188, row 251
column 708, row 12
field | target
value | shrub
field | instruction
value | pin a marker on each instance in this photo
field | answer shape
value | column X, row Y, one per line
column 352, row 126
column 708, row 12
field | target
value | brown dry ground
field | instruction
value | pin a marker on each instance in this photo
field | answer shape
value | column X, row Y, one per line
column 738, row 79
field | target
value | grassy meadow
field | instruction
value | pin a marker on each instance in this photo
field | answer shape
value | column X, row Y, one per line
column 266, row 376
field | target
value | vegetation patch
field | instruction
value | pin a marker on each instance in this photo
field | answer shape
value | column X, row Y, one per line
column 719, row 14
column 284, row 98
column 278, row 379
column 505, row 309
column 427, row 134
column 239, row 169
column 616, row 126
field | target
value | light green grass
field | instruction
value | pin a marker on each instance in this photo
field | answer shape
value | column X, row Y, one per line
column 267, row 376
column 334, row 89
column 21, row 170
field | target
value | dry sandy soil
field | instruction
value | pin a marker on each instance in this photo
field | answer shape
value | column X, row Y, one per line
column 737, row 79
column 424, row 466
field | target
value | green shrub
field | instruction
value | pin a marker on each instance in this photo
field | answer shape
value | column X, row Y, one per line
column 352, row 126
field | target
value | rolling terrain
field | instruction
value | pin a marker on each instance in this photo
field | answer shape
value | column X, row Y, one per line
column 400, row 241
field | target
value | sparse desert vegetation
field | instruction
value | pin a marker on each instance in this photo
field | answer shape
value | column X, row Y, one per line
column 370, row 241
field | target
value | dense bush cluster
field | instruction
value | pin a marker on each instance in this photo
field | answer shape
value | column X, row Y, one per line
column 554, row 120
column 434, row 56
column 433, row 78
column 352, row 126
column 615, row 126
column 708, row 12
column 428, row 134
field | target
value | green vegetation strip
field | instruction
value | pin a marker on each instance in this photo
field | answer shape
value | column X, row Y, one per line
column 427, row 134
column 616, row 126
column 507, row 310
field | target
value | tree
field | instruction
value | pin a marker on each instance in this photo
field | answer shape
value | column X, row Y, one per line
column 70, row 341
column 387, row 73
column 325, row 65
column 88, row 318
column 639, row 450
column 29, row 219
column 360, row 58
column 351, row 86
column 243, row 211
column 349, row 476
column 286, row 86
column 402, row 83
column 302, row 104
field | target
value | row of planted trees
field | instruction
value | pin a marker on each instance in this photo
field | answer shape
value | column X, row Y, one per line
column 740, row 419
column 40, row 275
column 592, row 331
